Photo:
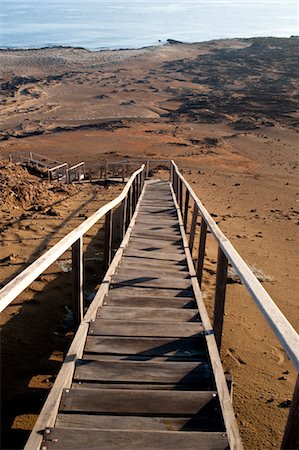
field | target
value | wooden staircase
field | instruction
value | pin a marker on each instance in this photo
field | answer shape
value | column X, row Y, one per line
column 146, row 379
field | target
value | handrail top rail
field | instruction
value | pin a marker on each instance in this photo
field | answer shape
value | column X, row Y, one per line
column 279, row 324
column 127, row 161
column 57, row 167
column 17, row 285
column 77, row 165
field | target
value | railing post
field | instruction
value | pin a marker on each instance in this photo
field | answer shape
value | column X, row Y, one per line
column 77, row 281
column 147, row 169
column 108, row 239
column 134, row 196
column 193, row 227
column 123, row 173
column 129, row 207
column 124, row 217
column 187, row 197
column 220, row 291
column 170, row 171
column 291, row 435
column 181, row 196
column 106, row 170
column 201, row 250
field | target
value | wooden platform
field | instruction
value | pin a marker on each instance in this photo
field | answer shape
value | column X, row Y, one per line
column 145, row 380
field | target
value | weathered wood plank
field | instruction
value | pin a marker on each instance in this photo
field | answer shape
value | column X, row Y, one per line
column 151, row 271
column 125, row 291
column 132, row 261
column 106, row 327
column 145, row 372
column 147, row 281
column 154, row 254
column 145, row 346
column 175, row 243
column 136, row 402
column 97, row 422
column 139, row 386
column 150, row 302
column 159, row 314
column 65, row 439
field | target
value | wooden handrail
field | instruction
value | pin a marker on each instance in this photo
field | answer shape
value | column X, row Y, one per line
column 16, row 286
column 281, row 327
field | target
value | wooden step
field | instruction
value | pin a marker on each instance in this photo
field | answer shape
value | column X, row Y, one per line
column 202, row 421
column 155, row 254
column 153, row 282
column 151, row 402
column 148, row 347
column 176, row 373
column 69, row 439
column 144, row 328
column 152, row 314
column 150, row 302
column 126, row 291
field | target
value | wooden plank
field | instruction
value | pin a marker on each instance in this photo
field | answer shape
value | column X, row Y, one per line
column 151, row 254
column 147, row 234
column 125, row 291
column 151, row 302
column 201, row 250
column 175, row 243
column 136, row 270
column 136, row 402
column 139, row 386
column 128, row 261
column 159, row 314
column 66, row 439
column 219, row 304
column 145, row 372
column 77, row 281
column 106, row 327
column 291, row 435
column 145, row 346
column 148, row 282
column 97, row 422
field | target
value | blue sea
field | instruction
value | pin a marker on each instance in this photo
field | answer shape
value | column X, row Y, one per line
column 113, row 24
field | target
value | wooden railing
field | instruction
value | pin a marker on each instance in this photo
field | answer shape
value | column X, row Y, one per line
column 227, row 254
column 127, row 199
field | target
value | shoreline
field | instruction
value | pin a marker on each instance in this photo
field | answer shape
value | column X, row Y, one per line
column 161, row 43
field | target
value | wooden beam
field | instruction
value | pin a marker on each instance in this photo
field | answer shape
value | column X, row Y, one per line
column 285, row 333
column 201, row 250
column 108, row 239
column 193, row 227
column 187, row 197
column 219, row 303
column 291, row 434
column 181, row 195
column 78, row 281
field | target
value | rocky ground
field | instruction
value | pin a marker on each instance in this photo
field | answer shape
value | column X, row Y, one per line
column 227, row 112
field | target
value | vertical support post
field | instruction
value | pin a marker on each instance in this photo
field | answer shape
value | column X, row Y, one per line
column 147, row 169
column 187, row 197
column 134, row 196
column 77, row 281
column 124, row 217
column 170, row 172
column 193, row 227
column 181, row 196
column 219, row 302
column 129, row 202
column 108, row 239
column 106, row 170
column 201, row 250
column 10, row 157
column 291, row 434
column 90, row 174
column 123, row 173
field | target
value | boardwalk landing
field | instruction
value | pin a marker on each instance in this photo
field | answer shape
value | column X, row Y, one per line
column 145, row 380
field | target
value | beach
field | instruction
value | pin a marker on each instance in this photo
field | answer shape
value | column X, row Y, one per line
column 227, row 112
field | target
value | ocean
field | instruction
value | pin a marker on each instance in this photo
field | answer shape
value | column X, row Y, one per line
column 114, row 24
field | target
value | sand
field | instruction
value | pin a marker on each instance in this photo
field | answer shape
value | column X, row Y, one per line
column 227, row 112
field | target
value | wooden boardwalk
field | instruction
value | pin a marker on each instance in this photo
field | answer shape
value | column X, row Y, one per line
column 145, row 380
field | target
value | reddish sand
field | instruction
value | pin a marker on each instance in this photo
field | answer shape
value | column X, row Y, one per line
column 227, row 112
